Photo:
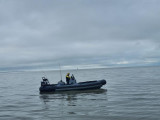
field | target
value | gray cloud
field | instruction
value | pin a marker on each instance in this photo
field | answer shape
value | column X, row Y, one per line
column 41, row 34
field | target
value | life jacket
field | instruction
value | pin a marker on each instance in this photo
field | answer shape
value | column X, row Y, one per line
column 68, row 77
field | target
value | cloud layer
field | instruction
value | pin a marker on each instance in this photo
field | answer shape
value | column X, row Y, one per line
column 86, row 33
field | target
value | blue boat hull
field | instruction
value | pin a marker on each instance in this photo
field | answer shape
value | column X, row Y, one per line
column 78, row 86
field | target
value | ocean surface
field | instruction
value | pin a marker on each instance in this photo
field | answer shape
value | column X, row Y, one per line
column 130, row 94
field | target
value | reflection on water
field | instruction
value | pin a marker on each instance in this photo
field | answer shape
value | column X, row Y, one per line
column 69, row 95
column 70, row 103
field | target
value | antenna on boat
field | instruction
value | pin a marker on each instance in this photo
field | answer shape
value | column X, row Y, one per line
column 60, row 71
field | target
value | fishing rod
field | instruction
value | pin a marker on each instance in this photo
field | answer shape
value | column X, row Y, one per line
column 44, row 73
column 60, row 71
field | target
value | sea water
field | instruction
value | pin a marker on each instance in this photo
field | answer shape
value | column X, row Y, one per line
column 130, row 94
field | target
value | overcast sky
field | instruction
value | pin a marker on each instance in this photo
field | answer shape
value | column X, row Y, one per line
column 41, row 34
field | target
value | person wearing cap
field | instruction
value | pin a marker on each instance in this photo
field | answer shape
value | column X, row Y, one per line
column 68, row 78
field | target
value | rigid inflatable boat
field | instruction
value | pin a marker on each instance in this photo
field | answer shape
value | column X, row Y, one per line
column 62, row 86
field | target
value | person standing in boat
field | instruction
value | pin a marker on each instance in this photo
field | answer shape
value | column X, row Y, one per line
column 68, row 78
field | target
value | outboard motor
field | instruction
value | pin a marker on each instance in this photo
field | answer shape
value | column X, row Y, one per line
column 46, row 86
column 45, row 81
